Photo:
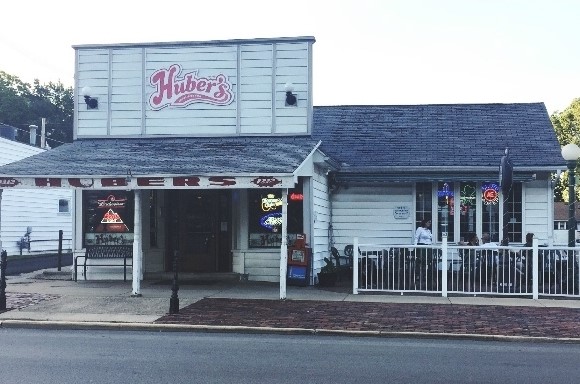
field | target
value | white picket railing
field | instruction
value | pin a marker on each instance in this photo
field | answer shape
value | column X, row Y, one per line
column 458, row 269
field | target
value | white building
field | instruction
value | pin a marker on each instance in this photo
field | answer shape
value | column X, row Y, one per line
column 41, row 214
column 215, row 150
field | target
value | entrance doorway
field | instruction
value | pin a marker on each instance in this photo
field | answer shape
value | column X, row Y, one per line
column 199, row 227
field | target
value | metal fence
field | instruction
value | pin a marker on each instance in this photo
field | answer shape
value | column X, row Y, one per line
column 466, row 270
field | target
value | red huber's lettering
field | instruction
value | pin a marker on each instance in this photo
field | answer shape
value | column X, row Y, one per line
column 186, row 181
column 223, row 181
column 150, row 181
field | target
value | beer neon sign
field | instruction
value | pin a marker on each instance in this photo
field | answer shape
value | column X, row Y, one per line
column 296, row 196
column 271, row 203
column 271, row 221
column 490, row 193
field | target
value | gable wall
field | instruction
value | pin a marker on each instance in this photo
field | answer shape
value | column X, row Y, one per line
column 120, row 78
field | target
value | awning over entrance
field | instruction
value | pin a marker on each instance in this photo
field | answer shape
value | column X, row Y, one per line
column 157, row 163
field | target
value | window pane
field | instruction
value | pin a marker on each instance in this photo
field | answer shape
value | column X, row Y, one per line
column 445, row 210
column 63, row 206
column 514, row 219
column 265, row 227
column 468, row 210
column 423, row 203
column 108, row 217
column 490, row 214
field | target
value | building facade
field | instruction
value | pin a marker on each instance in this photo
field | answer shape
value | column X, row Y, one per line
column 214, row 151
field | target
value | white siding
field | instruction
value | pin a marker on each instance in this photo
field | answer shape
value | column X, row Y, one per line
column 38, row 209
column 538, row 211
column 93, row 71
column 368, row 213
column 119, row 78
column 256, row 76
column 263, row 265
column 126, row 92
column 321, row 220
column 292, row 67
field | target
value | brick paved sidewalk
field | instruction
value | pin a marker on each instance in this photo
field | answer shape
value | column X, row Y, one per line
column 22, row 300
column 357, row 316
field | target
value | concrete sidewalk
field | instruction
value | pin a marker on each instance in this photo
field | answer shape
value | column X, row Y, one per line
column 52, row 301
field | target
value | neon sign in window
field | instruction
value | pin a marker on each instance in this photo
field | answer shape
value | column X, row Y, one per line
column 271, row 221
column 271, row 202
column 490, row 193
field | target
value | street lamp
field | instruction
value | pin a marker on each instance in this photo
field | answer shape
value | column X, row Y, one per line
column 571, row 153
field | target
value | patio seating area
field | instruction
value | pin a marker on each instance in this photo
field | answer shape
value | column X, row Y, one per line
column 467, row 270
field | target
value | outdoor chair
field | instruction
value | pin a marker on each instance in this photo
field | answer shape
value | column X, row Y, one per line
column 343, row 263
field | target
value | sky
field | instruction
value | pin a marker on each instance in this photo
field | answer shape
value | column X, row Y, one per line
column 392, row 52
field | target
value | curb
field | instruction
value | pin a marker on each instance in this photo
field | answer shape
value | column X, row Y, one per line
column 98, row 325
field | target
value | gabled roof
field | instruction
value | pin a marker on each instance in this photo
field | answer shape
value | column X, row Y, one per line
column 444, row 136
column 167, row 157
column 397, row 143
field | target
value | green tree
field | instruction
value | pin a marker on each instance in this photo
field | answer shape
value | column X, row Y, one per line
column 14, row 96
column 22, row 105
column 567, row 127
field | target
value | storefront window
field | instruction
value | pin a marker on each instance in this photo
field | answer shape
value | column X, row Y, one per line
column 265, row 227
column 423, row 203
column 490, row 211
column 467, row 210
column 445, row 210
column 107, row 217
column 514, row 208
column 459, row 222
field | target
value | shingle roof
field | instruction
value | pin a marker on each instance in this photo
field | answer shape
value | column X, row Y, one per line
column 168, row 156
column 458, row 137
column 469, row 135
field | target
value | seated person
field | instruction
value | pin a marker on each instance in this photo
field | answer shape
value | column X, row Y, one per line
column 489, row 256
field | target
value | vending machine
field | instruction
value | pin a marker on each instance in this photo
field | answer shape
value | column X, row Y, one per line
column 299, row 258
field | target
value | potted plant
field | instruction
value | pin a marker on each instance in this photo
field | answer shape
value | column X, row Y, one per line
column 328, row 274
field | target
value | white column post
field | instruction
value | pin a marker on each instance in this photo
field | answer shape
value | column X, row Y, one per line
column 355, row 266
column 443, row 265
column 284, row 245
column 137, row 255
column 534, row 261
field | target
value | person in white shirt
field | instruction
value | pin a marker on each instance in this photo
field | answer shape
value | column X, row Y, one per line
column 423, row 235
column 424, row 259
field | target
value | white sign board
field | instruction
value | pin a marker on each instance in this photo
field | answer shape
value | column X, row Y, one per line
column 401, row 212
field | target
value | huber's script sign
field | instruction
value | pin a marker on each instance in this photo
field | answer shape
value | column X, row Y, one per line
column 173, row 90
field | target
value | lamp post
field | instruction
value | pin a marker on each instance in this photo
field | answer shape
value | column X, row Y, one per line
column 571, row 153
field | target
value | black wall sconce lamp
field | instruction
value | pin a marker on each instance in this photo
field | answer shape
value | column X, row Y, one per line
column 92, row 103
column 291, row 100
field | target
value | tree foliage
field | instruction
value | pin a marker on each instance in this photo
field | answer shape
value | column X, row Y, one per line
column 23, row 104
column 567, row 127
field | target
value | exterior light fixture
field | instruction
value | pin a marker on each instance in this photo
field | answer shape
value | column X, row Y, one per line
column 92, row 103
column 291, row 100
column 571, row 153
